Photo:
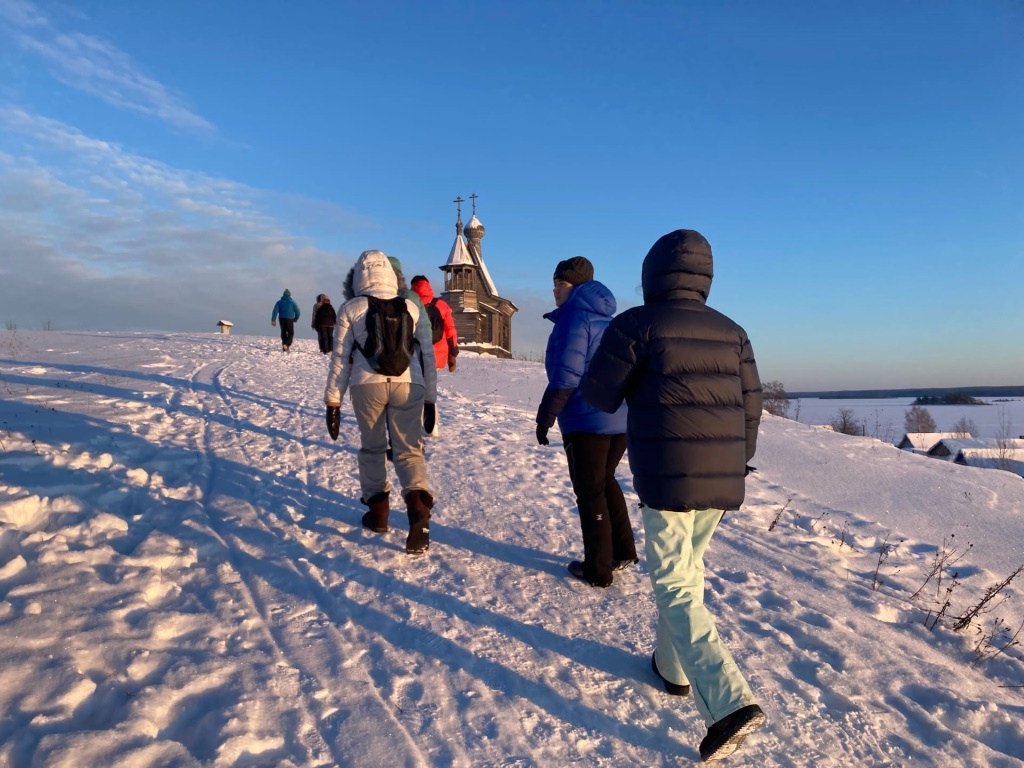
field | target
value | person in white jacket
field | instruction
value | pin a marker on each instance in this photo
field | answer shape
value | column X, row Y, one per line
column 385, row 404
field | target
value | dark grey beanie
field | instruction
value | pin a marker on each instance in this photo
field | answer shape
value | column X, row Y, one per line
column 576, row 270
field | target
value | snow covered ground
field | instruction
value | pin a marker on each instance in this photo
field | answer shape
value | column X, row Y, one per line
column 184, row 582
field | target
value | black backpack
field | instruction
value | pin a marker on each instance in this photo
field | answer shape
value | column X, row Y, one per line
column 389, row 335
column 436, row 322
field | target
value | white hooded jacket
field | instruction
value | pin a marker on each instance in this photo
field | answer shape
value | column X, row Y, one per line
column 373, row 275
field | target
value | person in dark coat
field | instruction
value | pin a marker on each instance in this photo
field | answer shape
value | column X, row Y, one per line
column 689, row 377
column 594, row 441
column 288, row 312
column 324, row 318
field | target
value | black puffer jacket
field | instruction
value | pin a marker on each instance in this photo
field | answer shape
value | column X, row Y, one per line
column 689, row 377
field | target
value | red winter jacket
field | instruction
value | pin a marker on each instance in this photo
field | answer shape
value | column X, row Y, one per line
column 447, row 348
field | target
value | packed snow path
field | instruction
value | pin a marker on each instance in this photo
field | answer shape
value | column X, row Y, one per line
column 185, row 581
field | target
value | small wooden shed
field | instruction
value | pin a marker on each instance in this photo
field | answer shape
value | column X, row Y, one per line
column 225, row 326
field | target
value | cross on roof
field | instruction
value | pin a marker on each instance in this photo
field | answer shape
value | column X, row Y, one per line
column 473, row 197
column 459, row 201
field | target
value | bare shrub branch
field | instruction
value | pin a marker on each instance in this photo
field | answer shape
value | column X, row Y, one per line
column 945, row 556
column 985, row 604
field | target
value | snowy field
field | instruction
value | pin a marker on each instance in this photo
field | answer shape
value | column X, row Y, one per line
column 885, row 417
column 184, row 582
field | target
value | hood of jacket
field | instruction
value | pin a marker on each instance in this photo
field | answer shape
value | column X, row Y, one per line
column 678, row 266
column 587, row 297
column 373, row 275
column 397, row 266
column 424, row 291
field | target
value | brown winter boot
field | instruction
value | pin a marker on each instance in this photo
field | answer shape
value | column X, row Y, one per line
column 419, row 503
column 377, row 518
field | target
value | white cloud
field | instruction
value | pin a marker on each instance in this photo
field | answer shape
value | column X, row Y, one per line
column 21, row 13
column 96, row 236
column 95, row 66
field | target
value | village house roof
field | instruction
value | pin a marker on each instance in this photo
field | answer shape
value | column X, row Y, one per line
column 922, row 441
column 952, row 446
column 1010, row 459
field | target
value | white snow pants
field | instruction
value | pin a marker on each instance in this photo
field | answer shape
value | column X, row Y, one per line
column 392, row 409
column 689, row 650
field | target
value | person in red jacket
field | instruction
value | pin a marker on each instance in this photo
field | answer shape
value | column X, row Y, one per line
column 446, row 340
column 443, row 336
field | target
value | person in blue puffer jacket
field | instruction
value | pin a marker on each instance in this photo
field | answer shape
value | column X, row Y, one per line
column 594, row 441
column 288, row 312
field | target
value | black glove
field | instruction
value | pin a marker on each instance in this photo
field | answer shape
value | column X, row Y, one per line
column 429, row 417
column 749, row 470
column 542, row 435
column 333, row 421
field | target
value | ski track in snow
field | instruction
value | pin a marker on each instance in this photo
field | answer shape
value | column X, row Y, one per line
column 250, row 620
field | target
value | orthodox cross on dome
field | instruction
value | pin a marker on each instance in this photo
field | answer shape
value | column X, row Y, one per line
column 473, row 197
column 458, row 202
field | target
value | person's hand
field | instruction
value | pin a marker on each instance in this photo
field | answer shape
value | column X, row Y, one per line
column 333, row 421
column 273, row 322
column 542, row 435
column 451, row 363
column 429, row 417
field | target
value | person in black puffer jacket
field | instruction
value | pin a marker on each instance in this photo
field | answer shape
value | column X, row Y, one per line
column 688, row 375
column 324, row 318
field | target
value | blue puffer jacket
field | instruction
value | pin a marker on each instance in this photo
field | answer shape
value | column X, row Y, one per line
column 286, row 308
column 579, row 324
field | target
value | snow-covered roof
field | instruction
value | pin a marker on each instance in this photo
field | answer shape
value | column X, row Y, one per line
column 1006, row 458
column 474, row 223
column 460, row 253
column 952, row 446
column 922, row 441
column 959, row 443
column 225, row 322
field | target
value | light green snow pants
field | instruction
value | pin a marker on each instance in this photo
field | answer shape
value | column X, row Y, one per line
column 689, row 650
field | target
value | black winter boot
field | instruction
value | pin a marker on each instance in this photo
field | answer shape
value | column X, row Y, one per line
column 377, row 518
column 419, row 503
column 727, row 735
column 673, row 689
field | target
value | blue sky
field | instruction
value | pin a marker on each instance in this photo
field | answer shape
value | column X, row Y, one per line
column 857, row 167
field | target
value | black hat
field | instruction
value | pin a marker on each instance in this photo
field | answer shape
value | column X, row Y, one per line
column 574, row 271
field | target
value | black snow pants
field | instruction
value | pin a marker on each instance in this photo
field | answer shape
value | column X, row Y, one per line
column 325, row 337
column 604, row 518
column 287, row 330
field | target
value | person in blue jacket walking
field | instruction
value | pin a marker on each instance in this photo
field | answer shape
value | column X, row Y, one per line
column 288, row 312
column 594, row 441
